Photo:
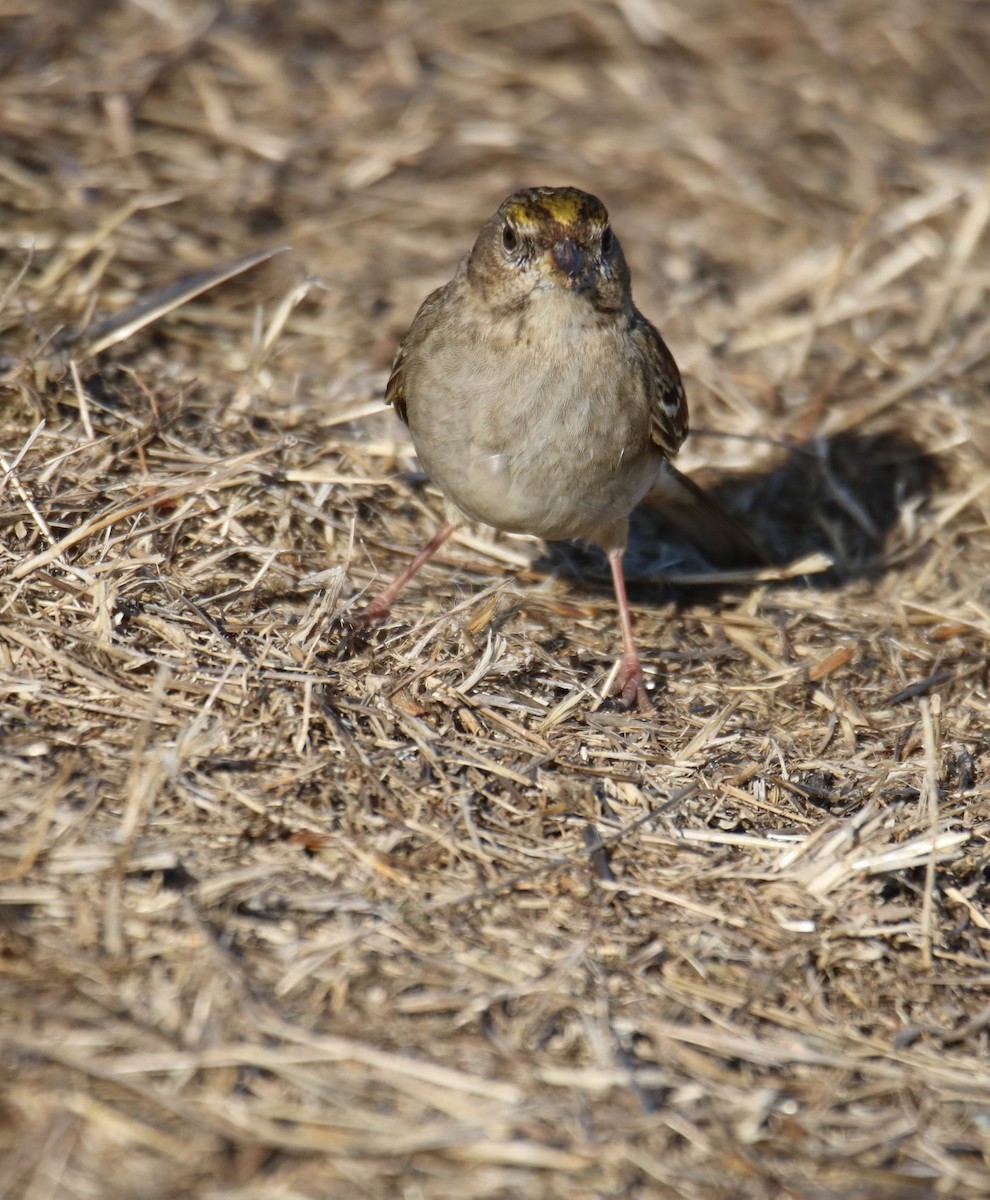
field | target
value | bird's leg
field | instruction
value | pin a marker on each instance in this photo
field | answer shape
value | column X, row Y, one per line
column 628, row 685
column 381, row 606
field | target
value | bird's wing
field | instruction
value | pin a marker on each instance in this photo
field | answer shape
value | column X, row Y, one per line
column 394, row 390
column 668, row 404
column 423, row 322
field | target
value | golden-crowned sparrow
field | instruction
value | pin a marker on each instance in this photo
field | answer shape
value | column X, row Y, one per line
column 541, row 401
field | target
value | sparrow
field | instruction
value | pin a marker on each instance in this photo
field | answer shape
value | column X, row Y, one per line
column 541, row 401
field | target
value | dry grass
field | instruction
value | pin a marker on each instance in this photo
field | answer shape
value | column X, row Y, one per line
column 287, row 914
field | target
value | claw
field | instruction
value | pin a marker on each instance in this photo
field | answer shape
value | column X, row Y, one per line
column 371, row 614
column 629, row 686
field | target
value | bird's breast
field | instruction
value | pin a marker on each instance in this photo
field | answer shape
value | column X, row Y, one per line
column 532, row 432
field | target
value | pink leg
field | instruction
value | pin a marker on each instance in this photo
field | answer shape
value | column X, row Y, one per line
column 629, row 684
column 381, row 606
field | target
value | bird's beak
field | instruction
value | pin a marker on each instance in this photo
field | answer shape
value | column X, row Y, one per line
column 568, row 257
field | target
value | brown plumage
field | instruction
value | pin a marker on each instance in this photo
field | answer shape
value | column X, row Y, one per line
column 541, row 401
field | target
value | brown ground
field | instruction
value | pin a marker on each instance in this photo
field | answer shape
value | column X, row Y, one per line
column 288, row 914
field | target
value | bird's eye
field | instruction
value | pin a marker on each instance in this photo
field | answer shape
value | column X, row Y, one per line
column 608, row 239
column 510, row 239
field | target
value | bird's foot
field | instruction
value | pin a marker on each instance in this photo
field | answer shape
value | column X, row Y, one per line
column 371, row 614
column 629, row 685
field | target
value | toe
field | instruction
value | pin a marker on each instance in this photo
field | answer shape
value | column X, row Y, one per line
column 371, row 614
column 630, row 686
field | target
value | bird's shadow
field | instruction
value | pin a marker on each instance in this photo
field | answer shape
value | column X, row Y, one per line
column 843, row 497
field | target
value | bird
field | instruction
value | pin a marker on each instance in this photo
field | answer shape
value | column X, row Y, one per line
column 541, row 401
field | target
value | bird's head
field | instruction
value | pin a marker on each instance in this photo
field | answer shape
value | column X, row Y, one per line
column 551, row 237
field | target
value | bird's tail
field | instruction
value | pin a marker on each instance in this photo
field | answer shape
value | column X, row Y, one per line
column 693, row 514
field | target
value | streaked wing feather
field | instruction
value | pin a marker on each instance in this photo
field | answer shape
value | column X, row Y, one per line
column 394, row 389
column 423, row 322
column 668, row 403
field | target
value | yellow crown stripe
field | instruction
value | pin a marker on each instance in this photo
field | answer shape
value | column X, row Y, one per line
column 564, row 207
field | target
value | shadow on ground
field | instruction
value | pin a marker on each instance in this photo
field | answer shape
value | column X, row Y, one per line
column 845, row 497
